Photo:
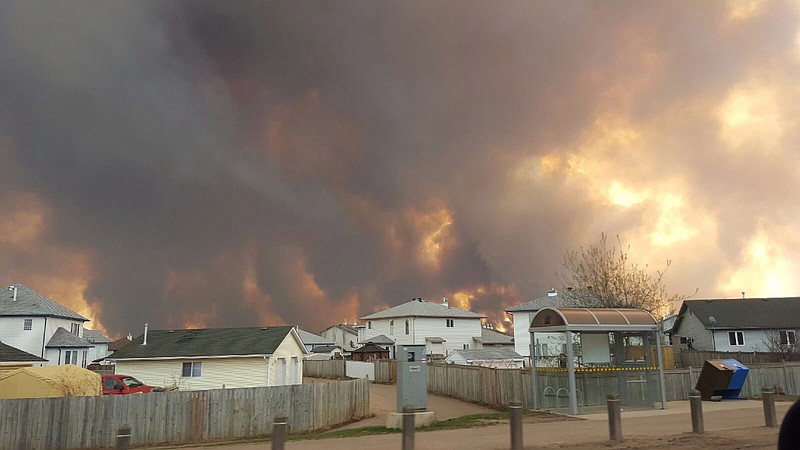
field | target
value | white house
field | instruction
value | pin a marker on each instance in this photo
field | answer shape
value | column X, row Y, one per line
column 439, row 326
column 498, row 358
column 35, row 324
column 738, row 325
column 100, row 344
column 342, row 335
column 214, row 358
column 491, row 338
column 522, row 315
column 312, row 341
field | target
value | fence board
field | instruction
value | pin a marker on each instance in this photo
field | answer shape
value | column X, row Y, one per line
column 178, row 417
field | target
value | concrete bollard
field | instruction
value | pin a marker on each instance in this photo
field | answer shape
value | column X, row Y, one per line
column 408, row 427
column 768, row 397
column 614, row 418
column 696, row 406
column 279, row 426
column 515, row 411
column 123, row 437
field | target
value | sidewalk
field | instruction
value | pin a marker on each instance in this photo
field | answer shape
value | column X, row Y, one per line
column 675, row 420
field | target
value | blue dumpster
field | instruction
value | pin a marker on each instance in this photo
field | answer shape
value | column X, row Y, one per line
column 721, row 378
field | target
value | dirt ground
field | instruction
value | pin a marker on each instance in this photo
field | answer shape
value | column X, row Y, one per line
column 760, row 438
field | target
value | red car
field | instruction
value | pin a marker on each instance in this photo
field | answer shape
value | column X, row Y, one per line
column 123, row 384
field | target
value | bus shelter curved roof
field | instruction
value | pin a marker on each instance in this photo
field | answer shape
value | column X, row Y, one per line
column 592, row 319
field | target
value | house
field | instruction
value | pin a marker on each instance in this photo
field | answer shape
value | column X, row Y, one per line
column 35, row 324
column 737, row 325
column 439, row 326
column 369, row 352
column 492, row 338
column 327, row 352
column 343, row 335
column 498, row 358
column 311, row 340
column 99, row 342
column 522, row 315
column 214, row 358
column 14, row 358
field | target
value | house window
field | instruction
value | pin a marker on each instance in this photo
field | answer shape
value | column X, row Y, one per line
column 466, row 346
column 449, row 323
column 71, row 357
column 736, row 338
column 75, row 328
column 369, row 325
column 192, row 369
column 788, row 337
column 27, row 325
column 391, row 327
column 407, row 327
column 83, row 363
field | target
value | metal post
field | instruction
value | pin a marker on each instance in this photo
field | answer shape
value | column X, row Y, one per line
column 768, row 397
column 661, row 380
column 573, row 394
column 534, row 389
column 516, row 424
column 408, row 427
column 279, row 426
column 696, row 405
column 123, row 437
column 614, row 418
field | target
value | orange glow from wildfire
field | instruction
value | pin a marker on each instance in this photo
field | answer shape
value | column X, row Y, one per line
column 436, row 237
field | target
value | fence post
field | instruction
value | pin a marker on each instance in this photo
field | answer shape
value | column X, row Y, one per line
column 408, row 427
column 696, row 405
column 279, row 426
column 768, row 397
column 123, row 437
column 516, row 424
column 614, row 418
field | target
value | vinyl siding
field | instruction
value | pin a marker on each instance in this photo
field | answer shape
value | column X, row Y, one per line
column 522, row 335
column 292, row 372
column 691, row 327
column 462, row 332
column 754, row 341
column 34, row 340
column 216, row 373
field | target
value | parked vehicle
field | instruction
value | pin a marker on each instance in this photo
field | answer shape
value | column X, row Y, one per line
column 124, row 384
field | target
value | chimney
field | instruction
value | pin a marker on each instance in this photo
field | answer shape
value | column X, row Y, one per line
column 129, row 337
column 552, row 292
column 742, row 294
column 13, row 288
column 444, row 301
column 145, row 335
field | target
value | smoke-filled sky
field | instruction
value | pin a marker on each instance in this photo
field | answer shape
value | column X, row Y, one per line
column 243, row 163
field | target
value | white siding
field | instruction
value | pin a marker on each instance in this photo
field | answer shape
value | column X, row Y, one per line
column 461, row 333
column 691, row 327
column 341, row 338
column 522, row 335
column 34, row 340
column 280, row 363
column 97, row 352
column 216, row 373
column 754, row 341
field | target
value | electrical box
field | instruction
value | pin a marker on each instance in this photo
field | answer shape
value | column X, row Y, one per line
column 412, row 377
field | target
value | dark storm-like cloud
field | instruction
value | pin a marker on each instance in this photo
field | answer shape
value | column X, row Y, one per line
column 249, row 162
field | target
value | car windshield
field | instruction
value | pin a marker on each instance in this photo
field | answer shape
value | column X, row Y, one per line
column 132, row 382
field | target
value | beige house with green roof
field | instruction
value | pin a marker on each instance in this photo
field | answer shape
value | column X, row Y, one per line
column 214, row 358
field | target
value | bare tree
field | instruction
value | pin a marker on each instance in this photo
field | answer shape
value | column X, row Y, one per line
column 603, row 276
column 782, row 344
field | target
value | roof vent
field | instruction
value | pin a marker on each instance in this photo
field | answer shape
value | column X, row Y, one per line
column 712, row 320
column 552, row 292
column 13, row 288
column 444, row 300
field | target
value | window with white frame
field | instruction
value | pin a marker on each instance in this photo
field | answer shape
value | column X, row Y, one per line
column 192, row 369
column 788, row 337
column 83, row 361
column 27, row 325
column 466, row 346
column 736, row 338
column 391, row 327
column 75, row 328
column 449, row 323
column 408, row 328
column 71, row 357
column 369, row 325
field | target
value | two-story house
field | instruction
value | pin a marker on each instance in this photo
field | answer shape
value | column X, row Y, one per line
column 523, row 313
column 344, row 335
column 439, row 326
column 35, row 324
column 738, row 325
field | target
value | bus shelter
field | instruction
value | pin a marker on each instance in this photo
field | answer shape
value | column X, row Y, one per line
column 581, row 355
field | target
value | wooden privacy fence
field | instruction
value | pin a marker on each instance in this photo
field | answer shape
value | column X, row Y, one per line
column 178, row 417
column 334, row 368
column 498, row 387
column 693, row 358
column 385, row 370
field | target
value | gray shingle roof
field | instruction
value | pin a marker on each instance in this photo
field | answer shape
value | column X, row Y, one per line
column 205, row 342
column 370, row 348
column 559, row 300
column 752, row 313
column 325, row 348
column 64, row 339
column 32, row 303
column 380, row 339
column 96, row 337
column 13, row 354
column 313, row 339
column 485, row 354
column 416, row 308
column 435, row 340
column 493, row 337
